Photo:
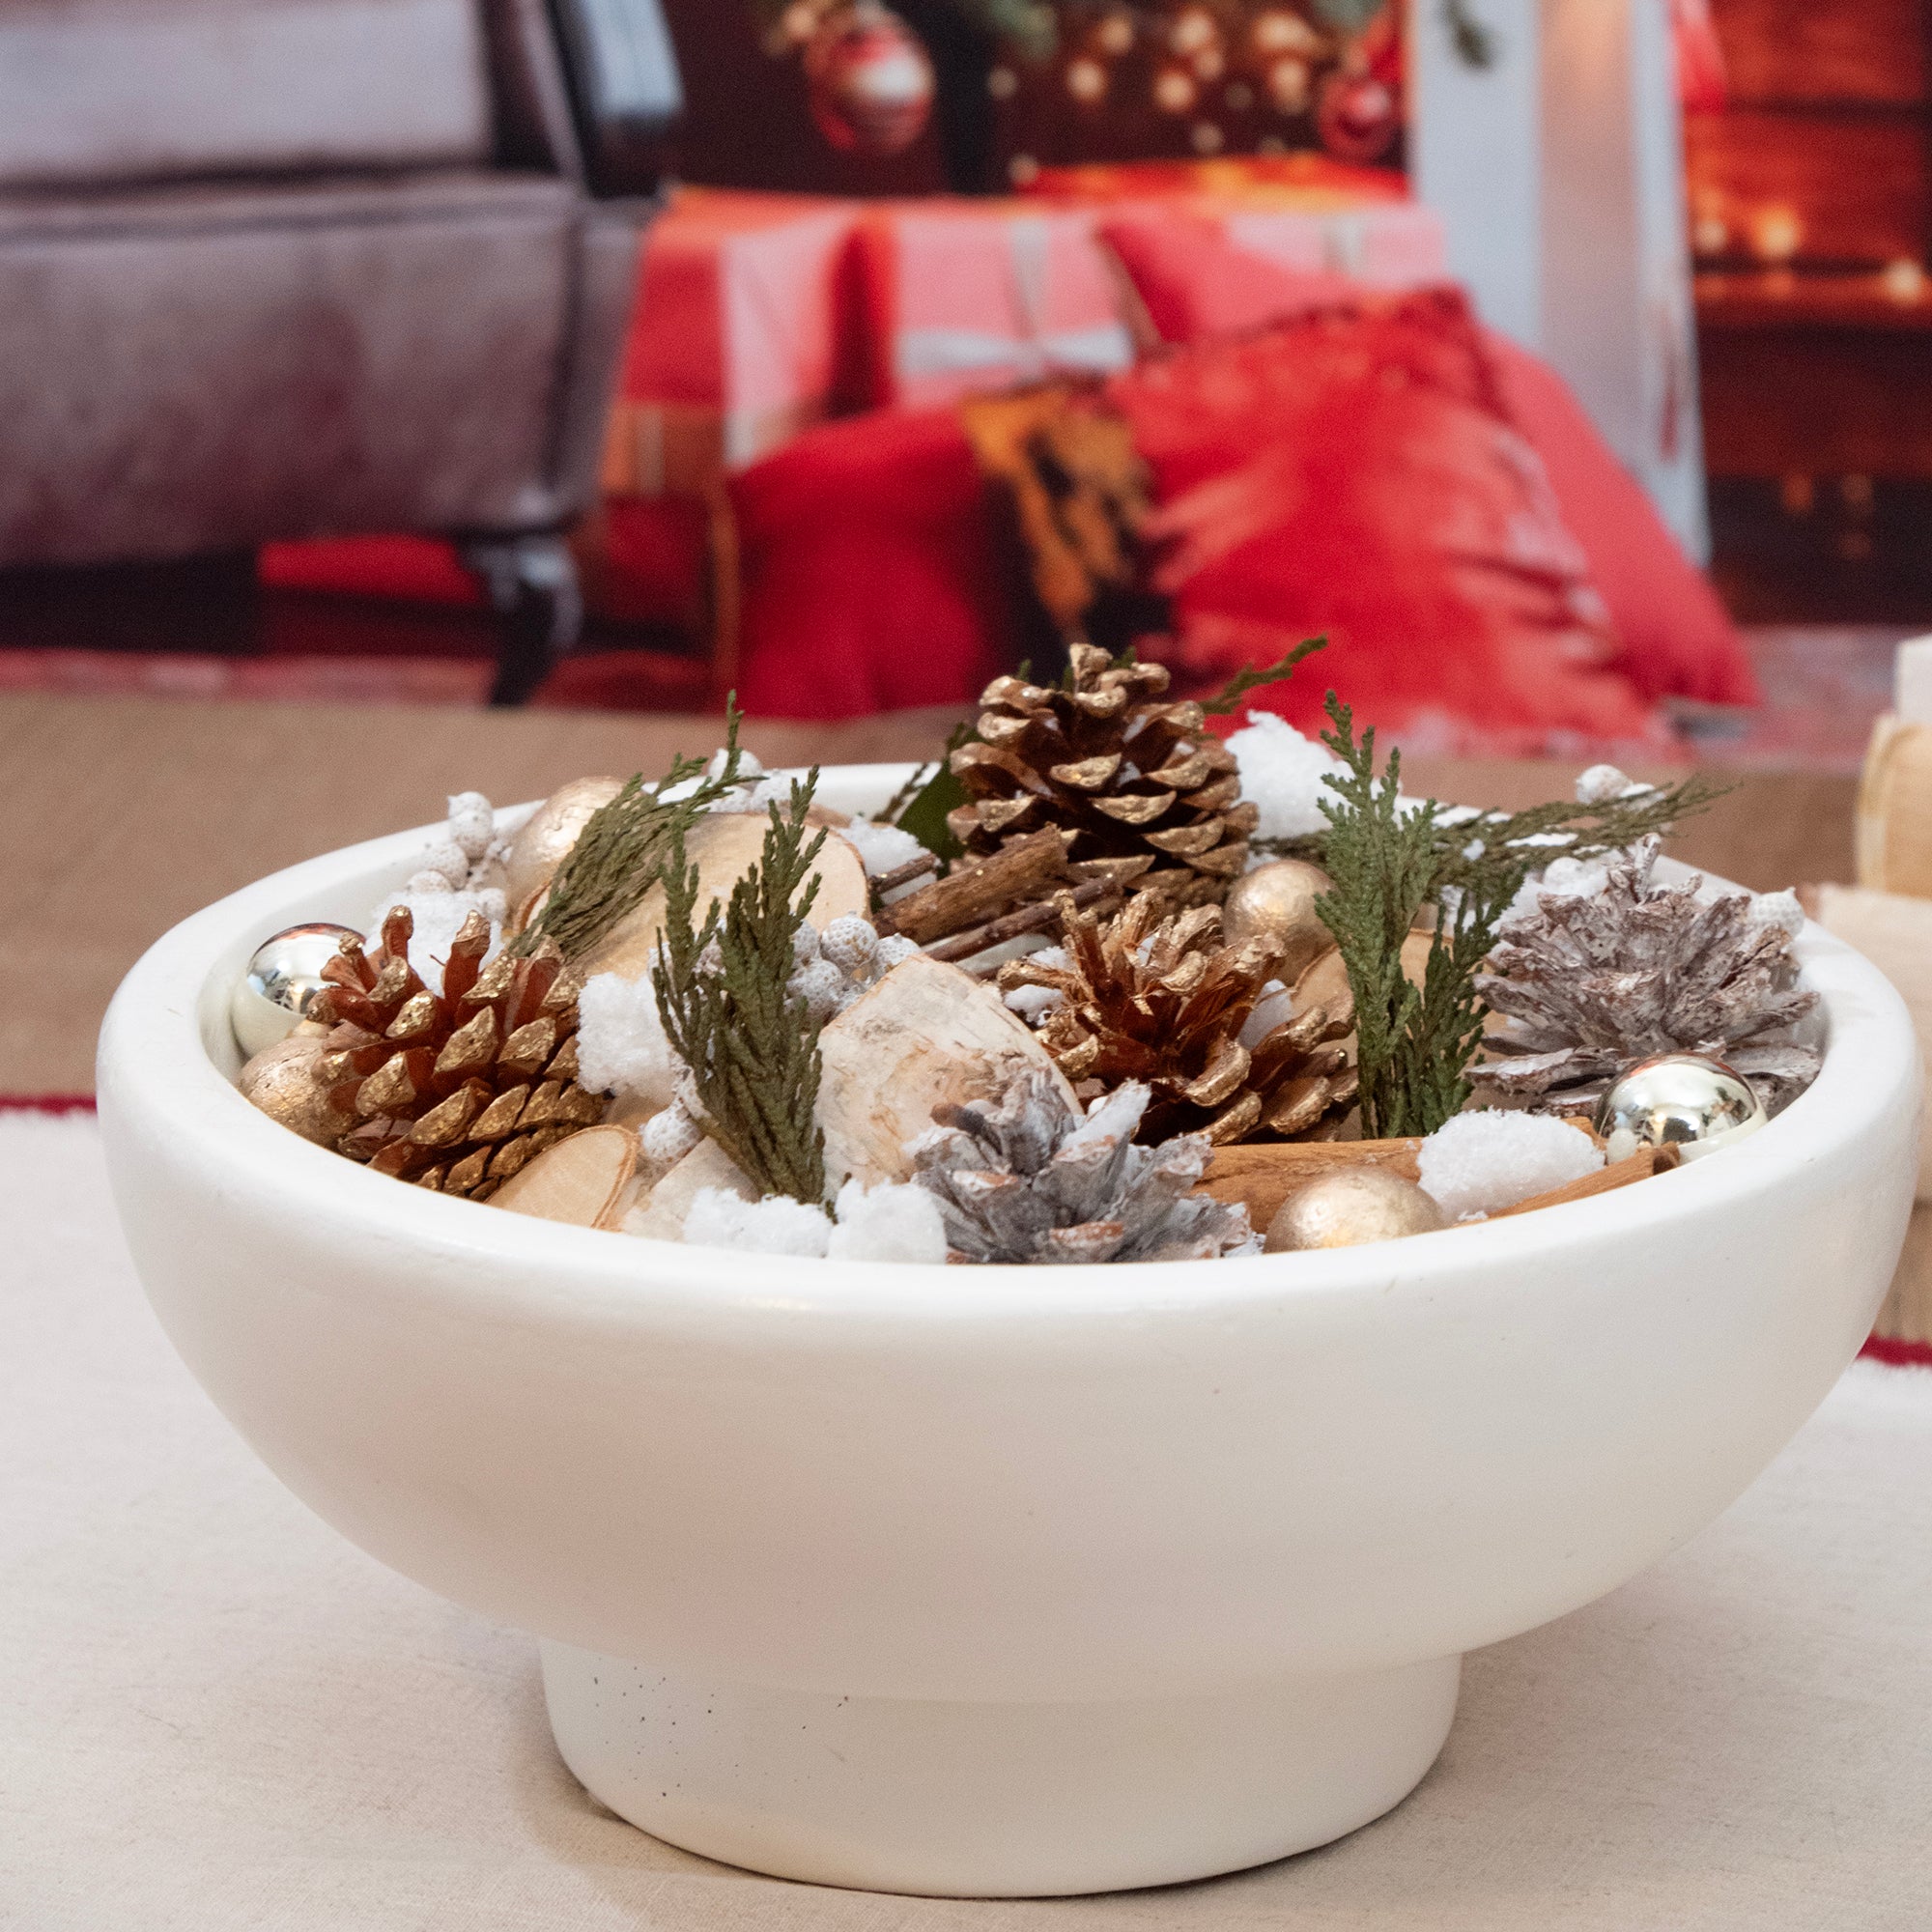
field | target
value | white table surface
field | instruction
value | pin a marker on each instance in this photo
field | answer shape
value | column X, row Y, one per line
column 216, row 1715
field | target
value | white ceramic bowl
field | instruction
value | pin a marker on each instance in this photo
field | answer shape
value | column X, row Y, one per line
column 995, row 1581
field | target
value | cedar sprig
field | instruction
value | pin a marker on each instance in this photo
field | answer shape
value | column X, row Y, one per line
column 1496, row 850
column 623, row 847
column 723, row 995
column 1381, row 861
column 1250, row 678
column 1414, row 1046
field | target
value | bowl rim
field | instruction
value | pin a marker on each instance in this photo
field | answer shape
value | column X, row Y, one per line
column 155, row 1069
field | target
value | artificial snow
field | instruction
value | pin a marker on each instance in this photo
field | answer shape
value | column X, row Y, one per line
column 892, row 1222
column 621, row 1046
column 1482, row 1162
column 1033, row 1003
column 881, row 848
column 777, row 1225
column 1282, row 775
column 1603, row 785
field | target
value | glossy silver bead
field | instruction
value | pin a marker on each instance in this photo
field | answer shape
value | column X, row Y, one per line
column 1684, row 1101
column 273, row 995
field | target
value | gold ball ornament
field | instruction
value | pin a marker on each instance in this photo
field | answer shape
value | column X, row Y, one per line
column 546, row 839
column 1351, row 1207
column 1276, row 902
column 273, row 995
column 280, row 1080
column 1686, row 1101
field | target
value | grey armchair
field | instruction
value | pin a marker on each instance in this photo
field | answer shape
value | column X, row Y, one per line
column 276, row 268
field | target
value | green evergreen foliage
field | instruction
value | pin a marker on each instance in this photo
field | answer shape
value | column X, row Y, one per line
column 1384, row 855
column 721, row 987
column 620, row 852
column 1248, row 678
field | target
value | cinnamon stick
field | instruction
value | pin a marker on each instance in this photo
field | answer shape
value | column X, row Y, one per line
column 1640, row 1166
column 1263, row 1175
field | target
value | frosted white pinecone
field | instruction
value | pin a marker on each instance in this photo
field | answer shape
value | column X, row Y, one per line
column 1590, row 982
column 1027, row 1179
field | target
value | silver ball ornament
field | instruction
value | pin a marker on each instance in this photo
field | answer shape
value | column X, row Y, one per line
column 1686, row 1101
column 271, row 997
column 1276, row 902
column 1350, row 1208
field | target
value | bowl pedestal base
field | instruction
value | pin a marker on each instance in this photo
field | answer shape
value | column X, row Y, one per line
column 956, row 1799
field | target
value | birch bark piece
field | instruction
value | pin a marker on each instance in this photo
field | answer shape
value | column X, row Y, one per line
column 583, row 1180
column 925, row 1035
column 547, row 837
column 723, row 846
column 659, row 1216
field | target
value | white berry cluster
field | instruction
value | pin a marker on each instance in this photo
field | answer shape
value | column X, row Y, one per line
column 838, row 965
column 460, row 873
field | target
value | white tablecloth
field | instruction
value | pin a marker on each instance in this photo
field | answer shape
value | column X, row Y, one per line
column 216, row 1715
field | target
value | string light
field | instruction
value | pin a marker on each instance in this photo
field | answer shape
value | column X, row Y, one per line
column 1087, row 80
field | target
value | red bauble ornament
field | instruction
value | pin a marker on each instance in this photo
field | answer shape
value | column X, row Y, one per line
column 871, row 81
column 1359, row 116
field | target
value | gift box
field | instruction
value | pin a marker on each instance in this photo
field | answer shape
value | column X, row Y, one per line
column 1301, row 210
column 968, row 296
column 736, row 342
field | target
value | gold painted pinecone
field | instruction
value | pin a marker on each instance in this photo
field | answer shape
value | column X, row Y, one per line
column 1164, row 1002
column 1149, row 795
column 455, row 1090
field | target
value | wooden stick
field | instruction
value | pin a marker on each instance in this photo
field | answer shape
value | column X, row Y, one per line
column 1640, row 1166
column 1028, row 919
column 971, row 895
column 904, row 875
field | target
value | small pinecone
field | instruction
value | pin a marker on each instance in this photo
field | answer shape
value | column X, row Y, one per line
column 1164, row 1002
column 458, row 1090
column 1149, row 795
column 1590, row 982
column 1028, row 1179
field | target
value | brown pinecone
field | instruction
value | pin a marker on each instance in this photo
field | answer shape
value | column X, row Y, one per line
column 458, row 1090
column 1164, row 1002
column 1149, row 795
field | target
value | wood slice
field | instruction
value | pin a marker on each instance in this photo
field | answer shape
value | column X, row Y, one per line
column 583, row 1180
column 1324, row 981
column 927, row 1034
column 723, row 846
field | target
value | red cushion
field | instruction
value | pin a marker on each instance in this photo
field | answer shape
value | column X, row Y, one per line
column 1354, row 473
column 1194, row 283
column 867, row 565
column 1675, row 637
